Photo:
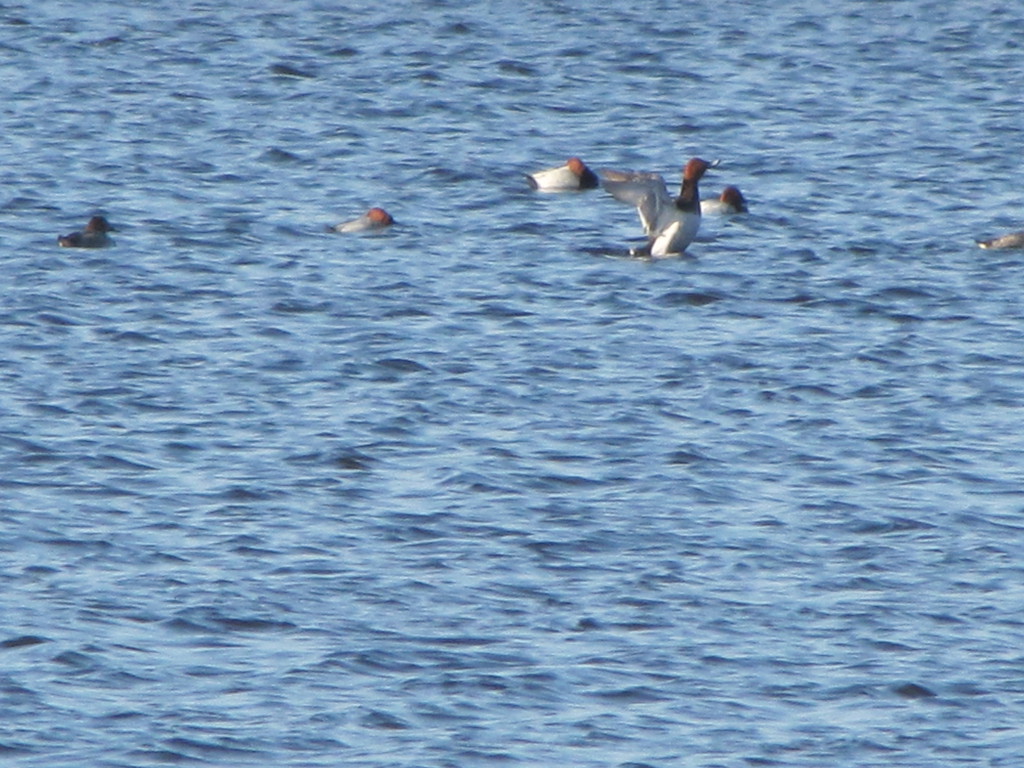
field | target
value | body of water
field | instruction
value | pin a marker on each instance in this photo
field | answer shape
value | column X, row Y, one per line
column 478, row 490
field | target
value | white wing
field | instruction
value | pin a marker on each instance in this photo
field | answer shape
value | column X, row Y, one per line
column 647, row 191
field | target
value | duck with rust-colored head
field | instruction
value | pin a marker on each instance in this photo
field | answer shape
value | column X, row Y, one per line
column 373, row 219
column 730, row 201
column 670, row 223
column 574, row 175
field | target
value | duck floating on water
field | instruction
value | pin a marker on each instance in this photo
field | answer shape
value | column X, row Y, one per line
column 93, row 236
column 730, row 201
column 574, row 175
column 373, row 219
column 1012, row 240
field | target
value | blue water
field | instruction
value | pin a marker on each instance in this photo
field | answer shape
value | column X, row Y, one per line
column 479, row 490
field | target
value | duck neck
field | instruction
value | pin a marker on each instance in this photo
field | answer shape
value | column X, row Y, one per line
column 689, row 197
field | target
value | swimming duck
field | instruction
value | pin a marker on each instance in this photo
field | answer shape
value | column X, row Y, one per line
column 1012, row 240
column 375, row 218
column 93, row 236
column 730, row 201
column 670, row 223
column 574, row 175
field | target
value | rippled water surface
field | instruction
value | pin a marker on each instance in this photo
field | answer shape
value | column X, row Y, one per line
column 480, row 490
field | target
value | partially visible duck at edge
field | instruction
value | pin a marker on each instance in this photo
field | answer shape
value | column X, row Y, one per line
column 1012, row 240
column 574, row 175
column 373, row 219
column 670, row 223
column 93, row 236
column 730, row 201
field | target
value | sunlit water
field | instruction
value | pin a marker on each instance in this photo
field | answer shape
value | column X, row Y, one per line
column 479, row 490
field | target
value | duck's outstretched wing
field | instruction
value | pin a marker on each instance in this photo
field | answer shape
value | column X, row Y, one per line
column 647, row 191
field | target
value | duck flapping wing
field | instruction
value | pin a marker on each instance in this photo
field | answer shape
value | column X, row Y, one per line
column 647, row 191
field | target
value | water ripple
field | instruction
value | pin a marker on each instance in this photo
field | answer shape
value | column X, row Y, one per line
column 482, row 488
